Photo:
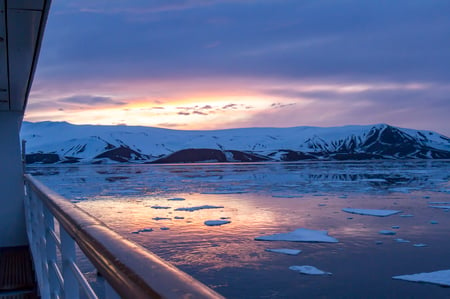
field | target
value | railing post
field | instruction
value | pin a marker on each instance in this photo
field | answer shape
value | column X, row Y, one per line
column 71, row 289
column 39, row 239
column 51, row 252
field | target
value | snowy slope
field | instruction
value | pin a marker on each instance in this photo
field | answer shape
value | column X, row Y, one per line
column 104, row 144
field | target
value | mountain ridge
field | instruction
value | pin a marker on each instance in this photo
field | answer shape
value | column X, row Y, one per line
column 62, row 142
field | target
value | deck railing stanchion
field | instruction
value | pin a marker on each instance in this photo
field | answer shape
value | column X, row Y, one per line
column 71, row 289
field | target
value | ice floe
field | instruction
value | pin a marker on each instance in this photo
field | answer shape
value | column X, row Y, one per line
column 164, row 228
column 178, row 217
column 144, row 230
column 160, row 207
column 192, row 209
column 420, row 245
column 434, row 222
column 395, row 227
column 160, row 218
column 441, row 277
column 406, row 215
column 176, row 199
column 387, row 232
column 399, row 240
column 440, row 207
column 371, row 212
column 287, row 196
column 310, row 270
column 224, row 192
column 300, row 235
column 216, row 222
column 285, row 251
column 439, row 202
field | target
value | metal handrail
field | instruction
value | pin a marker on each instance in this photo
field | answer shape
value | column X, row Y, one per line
column 131, row 270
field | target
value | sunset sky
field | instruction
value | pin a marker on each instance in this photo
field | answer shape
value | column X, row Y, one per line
column 199, row 64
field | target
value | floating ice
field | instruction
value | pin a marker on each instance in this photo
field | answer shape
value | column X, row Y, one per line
column 406, row 215
column 434, row 222
column 192, row 209
column 160, row 207
column 176, row 199
column 216, row 222
column 160, row 218
column 441, row 277
column 439, row 202
column 310, row 270
column 300, row 235
column 440, row 207
column 164, row 228
column 285, row 251
column 144, row 230
column 286, row 196
column 178, row 217
column 399, row 240
column 395, row 227
column 420, row 245
column 224, row 192
column 386, row 232
column 371, row 212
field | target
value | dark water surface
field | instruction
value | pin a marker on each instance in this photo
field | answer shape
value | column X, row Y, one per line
column 261, row 199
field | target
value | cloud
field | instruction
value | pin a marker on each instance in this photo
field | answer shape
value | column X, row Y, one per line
column 171, row 125
column 88, row 100
column 280, row 105
column 230, row 106
column 199, row 112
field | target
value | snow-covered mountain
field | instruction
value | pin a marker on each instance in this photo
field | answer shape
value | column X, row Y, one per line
column 61, row 142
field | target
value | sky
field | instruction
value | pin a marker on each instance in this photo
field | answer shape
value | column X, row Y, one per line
column 215, row 64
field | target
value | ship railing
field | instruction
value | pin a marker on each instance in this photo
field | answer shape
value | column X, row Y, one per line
column 58, row 231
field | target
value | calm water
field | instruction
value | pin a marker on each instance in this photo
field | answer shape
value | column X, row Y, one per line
column 261, row 199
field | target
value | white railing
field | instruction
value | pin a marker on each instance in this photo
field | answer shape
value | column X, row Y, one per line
column 56, row 228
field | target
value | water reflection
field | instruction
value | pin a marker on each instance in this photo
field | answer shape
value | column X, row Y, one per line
column 261, row 199
column 363, row 177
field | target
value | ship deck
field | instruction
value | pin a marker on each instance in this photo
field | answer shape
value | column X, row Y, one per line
column 16, row 273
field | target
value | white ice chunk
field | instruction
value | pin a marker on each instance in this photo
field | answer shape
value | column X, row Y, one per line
column 441, row 277
column 285, row 251
column 160, row 207
column 310, row 270
column 300, row 235
column 192, row 209
column 216, row 222
column 440, row 207
column 160, row 218
column 387, row 232
column 371, row 212
column 420, row 245
column 287, row 196
column 399, row 240
column 176, row 199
